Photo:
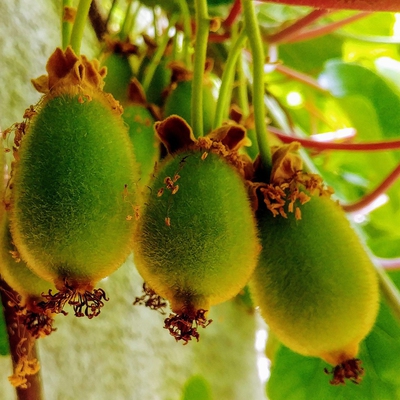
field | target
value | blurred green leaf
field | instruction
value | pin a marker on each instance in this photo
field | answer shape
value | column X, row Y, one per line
column 348, row 79
column 197, row 388
column 317, row 50
column 294, row 377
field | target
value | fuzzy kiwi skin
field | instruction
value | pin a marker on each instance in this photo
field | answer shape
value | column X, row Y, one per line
column 145, row 144
column 160, row 81
column 70, row 197
column 208, row 250
column 314, row 283
column 178, row 102
column 17, row 274
column 119, row 74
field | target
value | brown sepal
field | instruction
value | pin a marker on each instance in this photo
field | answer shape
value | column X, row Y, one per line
column 136, row 94
column 125, row 47
column 175, row 133
column 65, row 68
column 232, row 135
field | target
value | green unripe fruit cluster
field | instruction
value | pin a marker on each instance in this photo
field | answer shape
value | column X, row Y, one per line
column 178, row 102
column 15, row 271
column 69, row 213
column 119, row 74
column 145, row 144
column 196, row 240
column 159, row 82
column 318, row 297
column 315, row 284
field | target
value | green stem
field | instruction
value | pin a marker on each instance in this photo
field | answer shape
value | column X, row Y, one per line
column 152, row 66
column 200, row 51
column 155, row 25
column 227, row 79
column 389, row 291
column 187, row 31
column 243, row 97
column 111, row 12
column 124, row 31
column 256, row 45
column 66, row 26
column 79, row 25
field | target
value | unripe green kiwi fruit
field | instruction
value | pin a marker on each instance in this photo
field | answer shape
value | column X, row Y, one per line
column 28, row 285
column 159, row 82
column 178, row 102
column 16, row 273
column 196, row 238
column 315, row 284
column 73, row 183
column 145, row 144
column 119, row 74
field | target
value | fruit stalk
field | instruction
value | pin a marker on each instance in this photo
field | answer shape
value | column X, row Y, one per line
column 200, row 50
column 66, row 23
column 79, row 25
column 227, row 79
column 256, row 45
column 187, row 31
column 155, row 61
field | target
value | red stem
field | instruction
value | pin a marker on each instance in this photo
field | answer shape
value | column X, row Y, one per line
column 300, row 77
column 362, row 5
column 292, row 31
column 233, row 14
column 218, row 38
column 388, row 263
column 15, row 335
column 328, row 28
column 378, row 191
column 313, row 144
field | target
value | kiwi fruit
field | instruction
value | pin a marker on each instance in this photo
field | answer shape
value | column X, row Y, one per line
column 73, row 197
column 314, row 283
column 178, row 102
column 196, row 237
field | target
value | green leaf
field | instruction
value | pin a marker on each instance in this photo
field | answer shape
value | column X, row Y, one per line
column 197, row 388
column 294, row 377
column 348, row 79
column 318, row 51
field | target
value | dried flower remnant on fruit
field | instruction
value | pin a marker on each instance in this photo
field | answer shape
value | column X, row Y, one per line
column 151, row 300
column 85, row 303
column 184, row 327
column 290, row 187
column 350, row 369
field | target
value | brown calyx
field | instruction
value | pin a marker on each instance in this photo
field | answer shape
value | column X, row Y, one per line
column 85, row 301
column 122, row 47
column 226, row 141
column 350, row 369
column 65, row 68
column 184, row 326
column 151, row 299
column 289, row 186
